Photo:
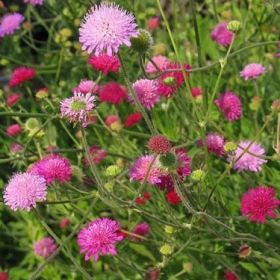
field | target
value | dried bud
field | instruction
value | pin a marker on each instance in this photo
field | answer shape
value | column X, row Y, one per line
column 244, row 251
column 275, row 107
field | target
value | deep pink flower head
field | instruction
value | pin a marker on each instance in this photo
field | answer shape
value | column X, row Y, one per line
column 13, row 98
column 228, row 275
column 24, row 190
column 230, row 104
column 4, row 275
column 96, row 155
column 173, row 198
column 78, row 108
column 221, row 35
column 161, row 62
column 142, row 229
column 10, row 23
column 86, row 86
column 146, row 91
column 215, row 144
column 34, row 2
column 196, row 92
column 249, row 161
column 184, row 163
column 21, row 75
column 105, row 63
column 159, row 144
column 113, row 93
column 53, row 168
column 141, row 166
column 44, row 247
column 252, row 71
column 64, row 223
column 105, row 28
column 132, row 119
column 99, row 237
column 14, row 130
column 259, row 203
column 111, row 119
column 153, row 23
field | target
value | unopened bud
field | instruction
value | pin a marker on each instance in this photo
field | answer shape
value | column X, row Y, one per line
column 143, row 42
column 234, row 26
column 198, row 175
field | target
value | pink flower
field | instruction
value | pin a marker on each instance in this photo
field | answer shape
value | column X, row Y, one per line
column 113, row 93
column 44, row 247
column 252, row 71
column 21, row 75
column 153, row 23
column 146, row 91
column 13, row 98
column 96, row 155
column 53, row 168
column 141, row 229
column 173, row 198
column 196, row 92
column 221, row 35
column 105, row 28
column 78, row 108
column 24, row 190
column 14, row 130
column 105, row 63
column 161, row 62
column 86, row 86
column 10, row 23
column 132, row 119
column 99, row 237
column 4, row 275
column 16, row 148
column 259, row 203
column 228, row 275
column 215, row 144
column 64, row 223
column 231, row 106
column 111, row 119
column 159, row 144
column 249, row 161
column 184, row 163
column 34, row 2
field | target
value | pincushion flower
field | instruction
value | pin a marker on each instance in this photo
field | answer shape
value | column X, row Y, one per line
column 132, row 119
column 44, row 247
column 105, row 63
column 146, row 91
column 21, row 75
column 95, row 154
column 215, row 144
column 12, row 99
column 112, row 93
column 24, row 190
column 78, row 108
column 230, row 104
column 99, row 237
column 153, row 23
column 53, row 168
column 251, row 160
column 252, row 71
column 105, row 28
column 259, row 203
column 34, row 2
column 173, row 198
column 228, row 275
column 221, row 35
column 160, row 61
column 14, row 130
column 86, row 86
column 10, row 23
column 142, row 229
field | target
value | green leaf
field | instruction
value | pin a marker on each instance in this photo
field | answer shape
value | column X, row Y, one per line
column 143, row 251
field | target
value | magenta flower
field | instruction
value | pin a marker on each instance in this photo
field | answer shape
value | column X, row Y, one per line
column 230, row 104
column 105, row 28
column 251, row 160
column 78, row 108
column 86, row 86
column 99, row 237
column 221, row 35
column 24, row 190
column 160, row 61
column 14, row 130
column 44, row 247
column 105, row 63
column 12, row 99
column 21, row 75
column 146, row 91
column 53, row 168
column 259, row 203
column 34, row 2
column 252, row 71
column 10, row 23
column 113, row 93
column 142, row 229
column 215, row 144
column 95, row 154
column 184, row 163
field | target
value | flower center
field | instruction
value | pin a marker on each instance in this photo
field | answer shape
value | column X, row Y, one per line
column 78, row 106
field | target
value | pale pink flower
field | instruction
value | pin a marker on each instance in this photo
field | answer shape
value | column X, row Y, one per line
column 10, row 23
column 44, row 247
column 86, row 86
column 34, row 2
column 252, row 71
column 160, row 61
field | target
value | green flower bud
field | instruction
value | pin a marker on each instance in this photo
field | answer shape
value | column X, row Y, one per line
column 169, row 229
column 166, row 249
column 143, row 42
column 198, row 175
column 234, row 25
column 230, row 147
column 168, row 160
column 109, row 187
column 113, row 170
column 77, row 172
column 169, row 81
column 32, row 124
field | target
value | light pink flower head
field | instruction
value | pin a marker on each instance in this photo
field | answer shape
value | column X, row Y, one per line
column 221, row 35
column 142, row 229
column 105, row 28
column 252, row 71
column 16, row 148
column 215, row 144
column 99, row 237
column 146, row 91
column 78, row 108
column 10, row 23
column 34, row 2
column 250, row 160
column 160, row 61
column 53, row 168
column 24, row 190
column 259, row 203
column 230, row 104
column 86, row 86
column 44, row 247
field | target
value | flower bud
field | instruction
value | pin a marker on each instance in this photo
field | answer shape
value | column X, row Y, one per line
column 230, row 147
column 275, row 107
column 42, row 93
column 143, row 42
column 113, row 170
column 166, row 249
column 159, row 144
column 109, row 187
column 32, row 124
column 168, row 160
column 234, row 26
column 169, row 229
column 255, row 103
column 244, row 251
column 198, row 175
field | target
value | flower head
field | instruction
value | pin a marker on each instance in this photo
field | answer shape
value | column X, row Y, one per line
column 184, row 163
column 146, row 91
column 10, row 23
column 12, row 99
column 105, row 63
column 159, row 144
column 105, row 28
column 78, row 108
column 160, row 61
column 86, row 86
column 113, row 93
column 53, row 168
column 259, row 203
column 132, row 119
column 231, row 106
column 215, row 144
column 228, row 275
column 252, row 71
column 250, row 160
column 16, row 148
column 24, row 190
column 173, row 198
column 142, row 229
column 4, row 275
column 20, row 75
column 221, row 35
column 34, row 2
column 44, row 247
column 14, row 130
column 64, row 223
column 196, row 92
column 99, row 237
column 153, row 23
column 95, row 154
